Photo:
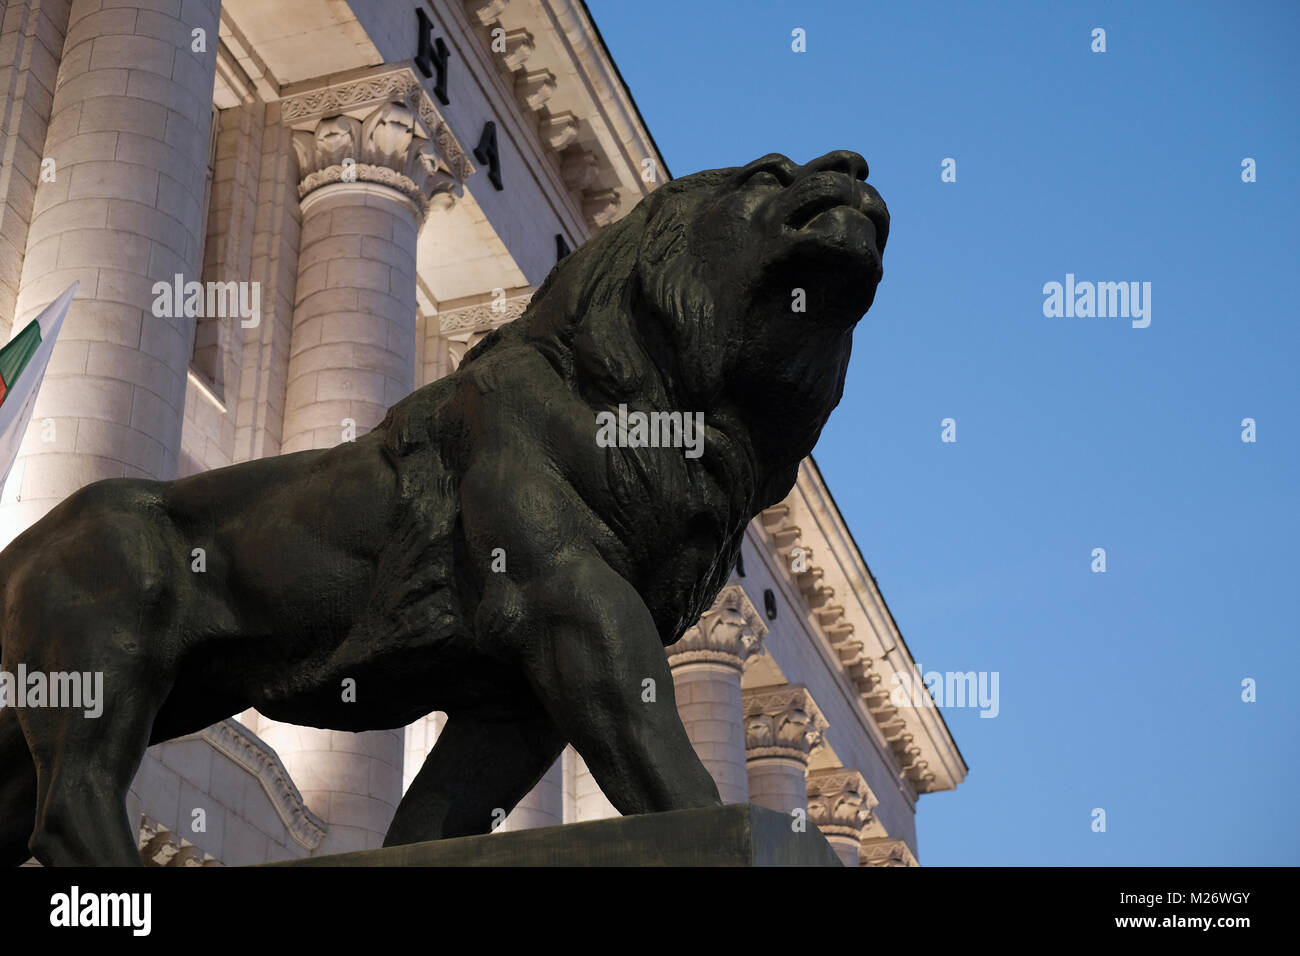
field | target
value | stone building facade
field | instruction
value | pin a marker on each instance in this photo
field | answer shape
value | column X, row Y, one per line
column 362, row 190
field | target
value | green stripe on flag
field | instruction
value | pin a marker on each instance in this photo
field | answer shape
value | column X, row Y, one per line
column 15, row 356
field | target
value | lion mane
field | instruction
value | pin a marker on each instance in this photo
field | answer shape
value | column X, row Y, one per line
column 622, row 319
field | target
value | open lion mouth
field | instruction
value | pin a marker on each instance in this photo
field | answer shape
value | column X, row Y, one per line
column 829, row 191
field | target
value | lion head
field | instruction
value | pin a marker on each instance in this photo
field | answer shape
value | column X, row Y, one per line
column 731, row 291
column 730, row 294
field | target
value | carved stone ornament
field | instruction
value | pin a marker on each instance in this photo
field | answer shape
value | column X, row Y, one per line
column 383, row 148
column 485, row 11
column 840, row 802
column 600, row 207
column 886, row 852
column 482, row 317
column 159, row 846
column 520, row 45
column 340, row 120
column 559, row 130
column 730, row 632
column 579, row 168
column 782, row 722
column 535, row 88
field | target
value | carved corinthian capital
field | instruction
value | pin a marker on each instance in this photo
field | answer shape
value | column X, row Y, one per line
column 385, row 122
column 729, row 632
column 840, row 802
column 782, row 722
column 385, row 148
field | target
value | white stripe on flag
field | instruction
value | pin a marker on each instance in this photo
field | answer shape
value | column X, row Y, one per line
column 16, row 411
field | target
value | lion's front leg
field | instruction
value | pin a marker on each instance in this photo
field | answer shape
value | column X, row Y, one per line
column 594, row 658
column 476, row 773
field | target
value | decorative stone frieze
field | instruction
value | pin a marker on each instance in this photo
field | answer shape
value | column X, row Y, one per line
column 482, row 317
column 886, row 852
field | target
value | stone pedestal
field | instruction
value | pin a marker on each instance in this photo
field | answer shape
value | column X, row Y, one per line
column 589, row 801
column 736, row 835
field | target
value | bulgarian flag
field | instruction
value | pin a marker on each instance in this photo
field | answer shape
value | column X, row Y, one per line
column 22, row 366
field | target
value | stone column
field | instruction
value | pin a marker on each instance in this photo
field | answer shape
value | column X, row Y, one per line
column 840, row 803
column 367, row 184
column 707, row 664
column 419, row 738
column 365, row 192
column 130, row 132
column 588, row 801
column 782, row 727
column 31, row 45
column 543, row 806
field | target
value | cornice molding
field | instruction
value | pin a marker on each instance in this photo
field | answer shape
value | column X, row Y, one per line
column 249, row 751
column 485, row 11
column 533, row 86
column 796, row 558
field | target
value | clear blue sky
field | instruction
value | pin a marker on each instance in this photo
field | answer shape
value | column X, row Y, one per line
column 1119, row 690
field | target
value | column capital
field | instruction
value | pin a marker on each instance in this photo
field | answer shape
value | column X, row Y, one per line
column 840, row 802
column 886, row 852
column 378, row 127
column 729, row 632
column 782, row 722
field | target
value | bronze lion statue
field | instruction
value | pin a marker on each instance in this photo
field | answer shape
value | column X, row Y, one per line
column 479, row 552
